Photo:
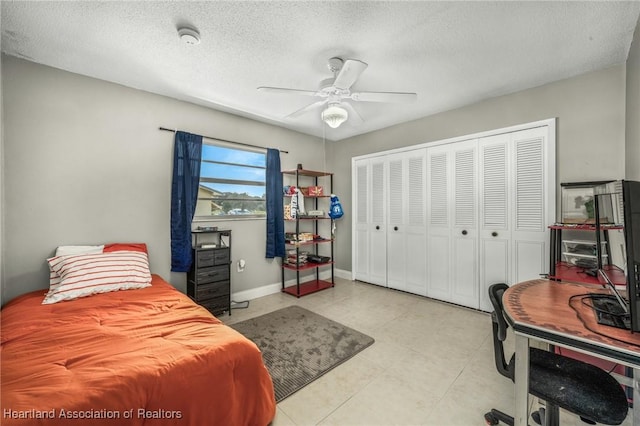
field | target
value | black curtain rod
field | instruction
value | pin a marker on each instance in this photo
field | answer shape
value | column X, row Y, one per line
column 224, row 140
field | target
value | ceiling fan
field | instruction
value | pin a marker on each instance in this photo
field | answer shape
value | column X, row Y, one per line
column 335, row 91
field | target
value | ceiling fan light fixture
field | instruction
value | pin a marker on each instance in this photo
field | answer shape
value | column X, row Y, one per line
column 334, row 116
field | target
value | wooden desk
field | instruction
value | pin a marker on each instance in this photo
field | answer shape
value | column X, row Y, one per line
column 539, row 309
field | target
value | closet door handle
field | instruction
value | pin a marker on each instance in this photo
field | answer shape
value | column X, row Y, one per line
column 494, row 234
column 464, row 232
column 395, row 228
column 377, row 227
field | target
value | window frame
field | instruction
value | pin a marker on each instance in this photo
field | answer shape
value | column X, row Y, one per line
column 226, row 181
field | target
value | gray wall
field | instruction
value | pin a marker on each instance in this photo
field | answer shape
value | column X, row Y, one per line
column 590, row 111
column 85, row 163
column 632, row 169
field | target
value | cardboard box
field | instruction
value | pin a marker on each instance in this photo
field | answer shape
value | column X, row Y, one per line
column 314, row 191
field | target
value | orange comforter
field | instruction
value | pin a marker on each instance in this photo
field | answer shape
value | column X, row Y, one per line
column 137, row 357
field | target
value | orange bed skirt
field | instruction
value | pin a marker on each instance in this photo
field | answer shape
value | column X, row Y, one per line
column 138, row 357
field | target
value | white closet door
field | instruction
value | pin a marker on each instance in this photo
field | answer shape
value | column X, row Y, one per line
column 464, row 220
column 416, row 222
column 439, row 259
column 452, row 223
column 361, row 196
column 494, row 232
column 406, row 229
column 514, row 209
column 370, row 242
column 396, row 248
column 377, row 223
column 531, row 216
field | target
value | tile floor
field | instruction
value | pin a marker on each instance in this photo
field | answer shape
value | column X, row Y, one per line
column 431, row 364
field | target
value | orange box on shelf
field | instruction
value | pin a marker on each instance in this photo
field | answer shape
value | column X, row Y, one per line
column 315, row 191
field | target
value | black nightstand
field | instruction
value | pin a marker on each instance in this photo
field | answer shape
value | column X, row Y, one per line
column 209, row 279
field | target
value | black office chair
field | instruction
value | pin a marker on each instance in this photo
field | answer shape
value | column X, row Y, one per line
column 576, row 386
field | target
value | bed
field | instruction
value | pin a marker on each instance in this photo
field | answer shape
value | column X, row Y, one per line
column 147, row 356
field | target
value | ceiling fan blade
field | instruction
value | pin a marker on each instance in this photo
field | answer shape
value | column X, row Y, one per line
column 354, row 117
column 351, row 70
column 285, row 91
column 305, row 109
column 384, row 97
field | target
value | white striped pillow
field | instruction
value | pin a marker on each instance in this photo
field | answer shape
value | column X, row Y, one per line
column 87, row 274
column 54, row 278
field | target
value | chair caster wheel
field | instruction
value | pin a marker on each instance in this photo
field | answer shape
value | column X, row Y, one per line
column 537, row 416
column 490, row 419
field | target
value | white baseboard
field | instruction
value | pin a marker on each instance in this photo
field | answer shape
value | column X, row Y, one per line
column 254, row 293
column 268, row 289
column 342, row 273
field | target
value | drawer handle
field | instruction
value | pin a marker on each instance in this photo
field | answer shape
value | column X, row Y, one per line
column 494, row 234
column 464, row 232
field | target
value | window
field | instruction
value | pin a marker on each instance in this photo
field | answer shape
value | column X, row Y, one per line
column 232, row 183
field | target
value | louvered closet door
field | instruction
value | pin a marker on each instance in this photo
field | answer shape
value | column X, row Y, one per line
column 377, row 224
column 453, row 224
column 439, row 245
column 514, row 209
column 361, row 196
column 406, row 229
column 530, row 220
column 370, row 241
column 464, row 230
column 416, row 222
column 396, row 248
column 494, row 234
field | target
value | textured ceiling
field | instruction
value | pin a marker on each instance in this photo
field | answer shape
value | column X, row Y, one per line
column 450, row 53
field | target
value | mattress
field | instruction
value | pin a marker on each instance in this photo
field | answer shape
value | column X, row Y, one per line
column 149, row 356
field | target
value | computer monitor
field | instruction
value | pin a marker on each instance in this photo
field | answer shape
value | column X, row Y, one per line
column 617, row 208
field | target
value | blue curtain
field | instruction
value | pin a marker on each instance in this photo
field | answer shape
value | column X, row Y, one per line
column 184, row 195
column 275, row 207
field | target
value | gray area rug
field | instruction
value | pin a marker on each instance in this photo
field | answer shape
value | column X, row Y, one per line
column 298, row 346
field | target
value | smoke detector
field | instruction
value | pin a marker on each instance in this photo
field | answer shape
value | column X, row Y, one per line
column 189, row 35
